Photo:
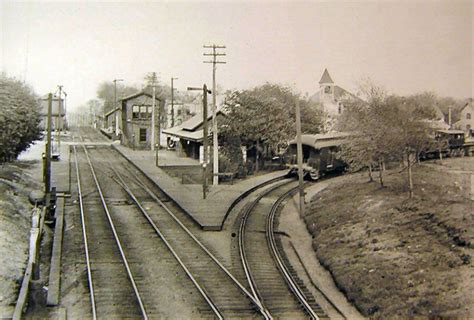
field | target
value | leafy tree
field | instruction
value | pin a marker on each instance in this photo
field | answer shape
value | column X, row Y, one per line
column 386, row 128
column 19, row 118
column 106, row 92
column 264, row 118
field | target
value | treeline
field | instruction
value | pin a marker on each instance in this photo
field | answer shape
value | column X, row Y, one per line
column 387, row 128
column 19, row 118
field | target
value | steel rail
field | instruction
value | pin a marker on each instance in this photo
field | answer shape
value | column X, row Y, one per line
column 243, row 256
column 84, row 235
column 201, row 290
column 255, row 301
column 271, row 241
column 117, row 239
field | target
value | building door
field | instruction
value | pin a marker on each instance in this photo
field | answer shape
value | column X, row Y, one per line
column 142, row 136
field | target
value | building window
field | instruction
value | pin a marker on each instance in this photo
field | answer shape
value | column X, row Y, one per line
column 468, row 127
column 141, row 112
column 328, row 89
column 142, row 137
column 135, row 112
column 468, row 116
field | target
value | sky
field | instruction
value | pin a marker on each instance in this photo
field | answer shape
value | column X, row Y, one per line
column 404, row 46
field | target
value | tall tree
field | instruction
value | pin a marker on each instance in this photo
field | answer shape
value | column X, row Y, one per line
column 19, row 118
column 387, row 128
column 263, row 117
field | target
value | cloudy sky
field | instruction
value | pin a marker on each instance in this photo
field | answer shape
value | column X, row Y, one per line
column 404, row 46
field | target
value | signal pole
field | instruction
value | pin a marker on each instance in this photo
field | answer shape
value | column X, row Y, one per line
column 172, row 101
column 215, row 153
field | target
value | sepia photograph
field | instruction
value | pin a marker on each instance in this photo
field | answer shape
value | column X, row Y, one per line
column 236, row 159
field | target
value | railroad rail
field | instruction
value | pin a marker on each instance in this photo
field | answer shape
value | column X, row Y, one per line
column 103, row 268
column 225, row 295
column 267, row 275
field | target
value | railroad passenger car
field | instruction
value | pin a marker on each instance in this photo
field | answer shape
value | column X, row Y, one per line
column 319, row 155
column 447, row 142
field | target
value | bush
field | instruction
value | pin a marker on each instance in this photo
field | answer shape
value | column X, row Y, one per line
column 19, row 118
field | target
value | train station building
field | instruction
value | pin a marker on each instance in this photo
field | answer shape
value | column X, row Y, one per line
column 131, row 123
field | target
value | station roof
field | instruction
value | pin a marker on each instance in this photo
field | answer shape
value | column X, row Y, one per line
column 191, row 129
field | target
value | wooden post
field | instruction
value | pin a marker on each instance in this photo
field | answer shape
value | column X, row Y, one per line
column 47, row 166
column 205, row 142
column 299, row 155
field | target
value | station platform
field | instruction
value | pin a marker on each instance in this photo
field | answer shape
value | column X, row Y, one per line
column 209, row 213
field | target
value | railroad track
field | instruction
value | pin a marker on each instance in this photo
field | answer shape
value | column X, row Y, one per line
column 269, row 276
column 224, row 296
column 113, row 291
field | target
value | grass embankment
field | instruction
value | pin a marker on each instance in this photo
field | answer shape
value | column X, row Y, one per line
column 399, row 257
column 15, row 224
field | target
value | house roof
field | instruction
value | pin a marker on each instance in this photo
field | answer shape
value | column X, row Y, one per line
column 132, row 96
column 111, row 111
column 467, row 104
column 326, row 78
column 339, row 93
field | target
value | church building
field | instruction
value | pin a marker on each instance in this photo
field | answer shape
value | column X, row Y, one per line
column 331, row 96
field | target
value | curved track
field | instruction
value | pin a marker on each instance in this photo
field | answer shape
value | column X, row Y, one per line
column 265, row 266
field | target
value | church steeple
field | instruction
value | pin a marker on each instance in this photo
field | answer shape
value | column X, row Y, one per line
column 326, row 87
column 326, row 78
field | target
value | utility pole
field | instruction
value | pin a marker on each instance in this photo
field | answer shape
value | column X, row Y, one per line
column 215, row 143
column 205, row 136
column 60, row 87
column 65, row 98
column 152, row 79
column 172, row 101
column 117, row 128
column 299, row 155
column 47, row 165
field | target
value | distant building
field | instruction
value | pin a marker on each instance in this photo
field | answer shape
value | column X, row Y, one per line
column 58, row 114
column 331, row 98
column 466, row 123
column 135, row 114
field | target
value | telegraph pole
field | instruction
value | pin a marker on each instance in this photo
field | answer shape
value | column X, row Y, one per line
column 172, row 101
column 117, row 128
column 299, row 155
column 215, row 143
column 47, row 166
column 152, row 79
column 60, row 87
column 205, row 136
